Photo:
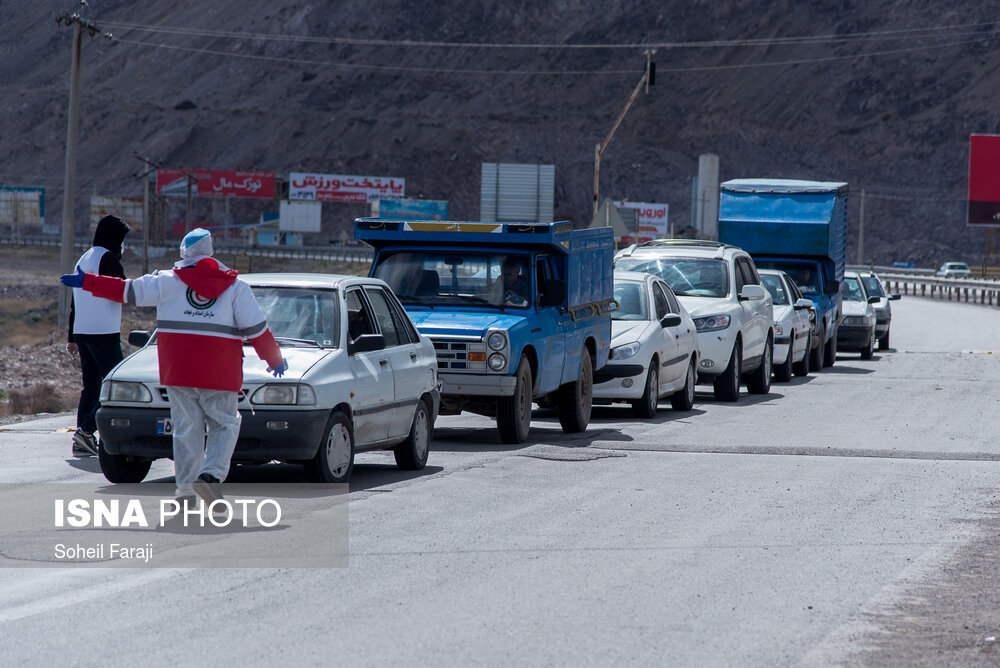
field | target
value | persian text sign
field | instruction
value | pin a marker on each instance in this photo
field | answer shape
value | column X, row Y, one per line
column 214, row 183
column 984, row 180
column 652, row 220
column 343, row 187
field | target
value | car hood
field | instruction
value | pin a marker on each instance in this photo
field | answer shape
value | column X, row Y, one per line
column 627, row 331
column 461, row 323
column 699, row 306
column 142, row 365
column 856, row 308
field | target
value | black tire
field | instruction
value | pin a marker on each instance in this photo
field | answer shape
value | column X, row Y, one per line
column 328, row 466
column 759, row 381
column 802, row 368
column 411, row 454
column 883, row 343
column 783, row 373
column 646, row 406
column 727, row 384
column 869, row 350
column 122, row 469
column 830, row 350
column 576, row 398
column 683, row 399
column 816, row 354
column 514, row 412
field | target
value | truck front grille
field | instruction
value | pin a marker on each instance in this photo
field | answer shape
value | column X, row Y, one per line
column 465, row 356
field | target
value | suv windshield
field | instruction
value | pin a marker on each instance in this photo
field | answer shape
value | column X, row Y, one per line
column 306, row 314
column 774, row 285
column 458, row 277
column 686, row 276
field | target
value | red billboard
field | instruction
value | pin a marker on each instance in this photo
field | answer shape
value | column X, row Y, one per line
column 214, row 183
column 984, row 180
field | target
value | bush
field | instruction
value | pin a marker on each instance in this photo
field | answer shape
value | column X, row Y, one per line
column 39, row 398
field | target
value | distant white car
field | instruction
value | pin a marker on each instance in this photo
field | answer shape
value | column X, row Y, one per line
column 954, row 270
column 360, row 377
column 654, row 348
column 857, row 327
column 792, row 324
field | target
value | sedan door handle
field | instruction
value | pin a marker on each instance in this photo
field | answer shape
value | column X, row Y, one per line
column 413, row 357
column 383, row 362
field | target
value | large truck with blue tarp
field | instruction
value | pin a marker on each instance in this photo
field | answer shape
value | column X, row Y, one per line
column 799, row 227
column 519, row 313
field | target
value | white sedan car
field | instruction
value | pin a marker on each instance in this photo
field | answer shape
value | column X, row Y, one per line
column 360, row 377
column 792, row 324
column 654, row 348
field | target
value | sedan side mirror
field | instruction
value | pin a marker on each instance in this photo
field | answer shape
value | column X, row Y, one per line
column 138, row 338
column 802, row 304
column 670, row 320
column 832, row 287
column 752, row 291
column 874, row 300
column 366, row 343
column 894, row 297
column 555, row 293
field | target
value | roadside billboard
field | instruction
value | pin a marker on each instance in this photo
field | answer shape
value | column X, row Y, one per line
column 651, row 222
column 984, row 185
column 410, row 209
column 343, row 187
column 214, row 183
column 129, row 208
column 22, row 206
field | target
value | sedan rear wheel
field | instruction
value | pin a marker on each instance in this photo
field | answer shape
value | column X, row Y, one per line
column 683, row 400
column 411, row 454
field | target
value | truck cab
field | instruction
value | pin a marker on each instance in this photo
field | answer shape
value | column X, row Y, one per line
column 518, row 313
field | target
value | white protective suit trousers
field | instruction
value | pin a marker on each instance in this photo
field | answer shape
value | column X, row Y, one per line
column 191, row 410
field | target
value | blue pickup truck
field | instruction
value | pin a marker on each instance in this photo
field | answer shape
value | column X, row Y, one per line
column 518, row 313
column 799, row 227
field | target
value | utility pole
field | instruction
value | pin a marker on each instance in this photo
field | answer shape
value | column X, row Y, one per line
column 150, row 168
column 648, row 79
column 861, row 230
column 69, row 189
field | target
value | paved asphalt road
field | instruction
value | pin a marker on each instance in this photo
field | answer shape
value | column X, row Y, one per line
column 842, row 519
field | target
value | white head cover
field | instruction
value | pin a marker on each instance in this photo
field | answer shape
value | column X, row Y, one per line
column 197, row 242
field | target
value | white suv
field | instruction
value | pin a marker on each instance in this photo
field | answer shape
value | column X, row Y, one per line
column 720, row 288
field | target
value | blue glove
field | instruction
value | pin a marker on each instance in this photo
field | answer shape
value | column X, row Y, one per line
column 279, row 370
column 73, row 280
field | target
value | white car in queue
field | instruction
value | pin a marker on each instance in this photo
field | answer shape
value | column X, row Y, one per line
column 360, row 377
column 654, row 348
column 794, row 316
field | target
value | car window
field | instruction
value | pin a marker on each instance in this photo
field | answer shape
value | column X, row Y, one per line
column 631, row 298
column 748, row 273
column 794, row 290
column 407, row 332
column 660, row 301
column 873, row 286
column 383, row 314
column 300, row 313
column 741, row 277
column 853, row 291
column 671, row 299
column 774, row 285
column 686, row 276
column 359, row 316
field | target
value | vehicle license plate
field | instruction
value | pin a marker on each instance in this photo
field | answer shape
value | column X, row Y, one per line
column 164, row 426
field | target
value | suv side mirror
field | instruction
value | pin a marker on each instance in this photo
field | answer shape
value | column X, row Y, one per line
column 670, row 320
column 555, row 293
column 752, row 291
column 832, row 287
column 802, row 304
column 138, row 338
column 894, row 297
column 366, row 343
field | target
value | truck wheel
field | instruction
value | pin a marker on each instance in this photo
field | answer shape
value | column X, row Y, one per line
column 514, row 412
column 802, row 368
column 727, row 384
column 334, row 461
column 759, row 381
column 816, row 354
column 869, row 349
column 411, row 454
column 122, row 468
column 646, row 406
column 683, row 399
column 783, row 373
column 830, row 350
column 883, row 343
column 576, row 398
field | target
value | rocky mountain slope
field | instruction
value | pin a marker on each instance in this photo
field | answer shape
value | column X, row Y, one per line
column 885, row 100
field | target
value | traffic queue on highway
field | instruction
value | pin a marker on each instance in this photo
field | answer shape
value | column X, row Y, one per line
column 494, row 319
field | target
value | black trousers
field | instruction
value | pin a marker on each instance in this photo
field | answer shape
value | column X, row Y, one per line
column 96, row 361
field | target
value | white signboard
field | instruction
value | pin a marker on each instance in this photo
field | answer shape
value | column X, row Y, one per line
column 343, row 187
column 652, row 220
column 299, row 216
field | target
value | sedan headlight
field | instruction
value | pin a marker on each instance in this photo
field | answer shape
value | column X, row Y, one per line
column 857, row 320
column 624, row 352
column 119, row 390
column 712, row 323
column 284, row 394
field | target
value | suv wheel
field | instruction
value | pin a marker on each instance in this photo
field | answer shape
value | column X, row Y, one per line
column 727, row 384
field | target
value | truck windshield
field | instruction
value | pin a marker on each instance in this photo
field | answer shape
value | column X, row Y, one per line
column 453, row 278
column 687, row 277
column 805, row 274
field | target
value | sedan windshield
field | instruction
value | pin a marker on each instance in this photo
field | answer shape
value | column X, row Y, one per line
column 631, row 298
column 687, row 277
column 458, row 278
column 301, row 315
column 774, row 285
column 853, row 291
column 873, row 286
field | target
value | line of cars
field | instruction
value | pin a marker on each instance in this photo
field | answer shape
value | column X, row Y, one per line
column 363, row 376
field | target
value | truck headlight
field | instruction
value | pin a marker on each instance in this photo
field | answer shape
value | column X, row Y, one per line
column 712, row 323
column 496, row 341
column 624, row 352
column 120, row 390
column 497, row 361
column 284, row 394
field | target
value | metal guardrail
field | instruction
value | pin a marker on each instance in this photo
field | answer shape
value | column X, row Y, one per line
column 975, row 291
